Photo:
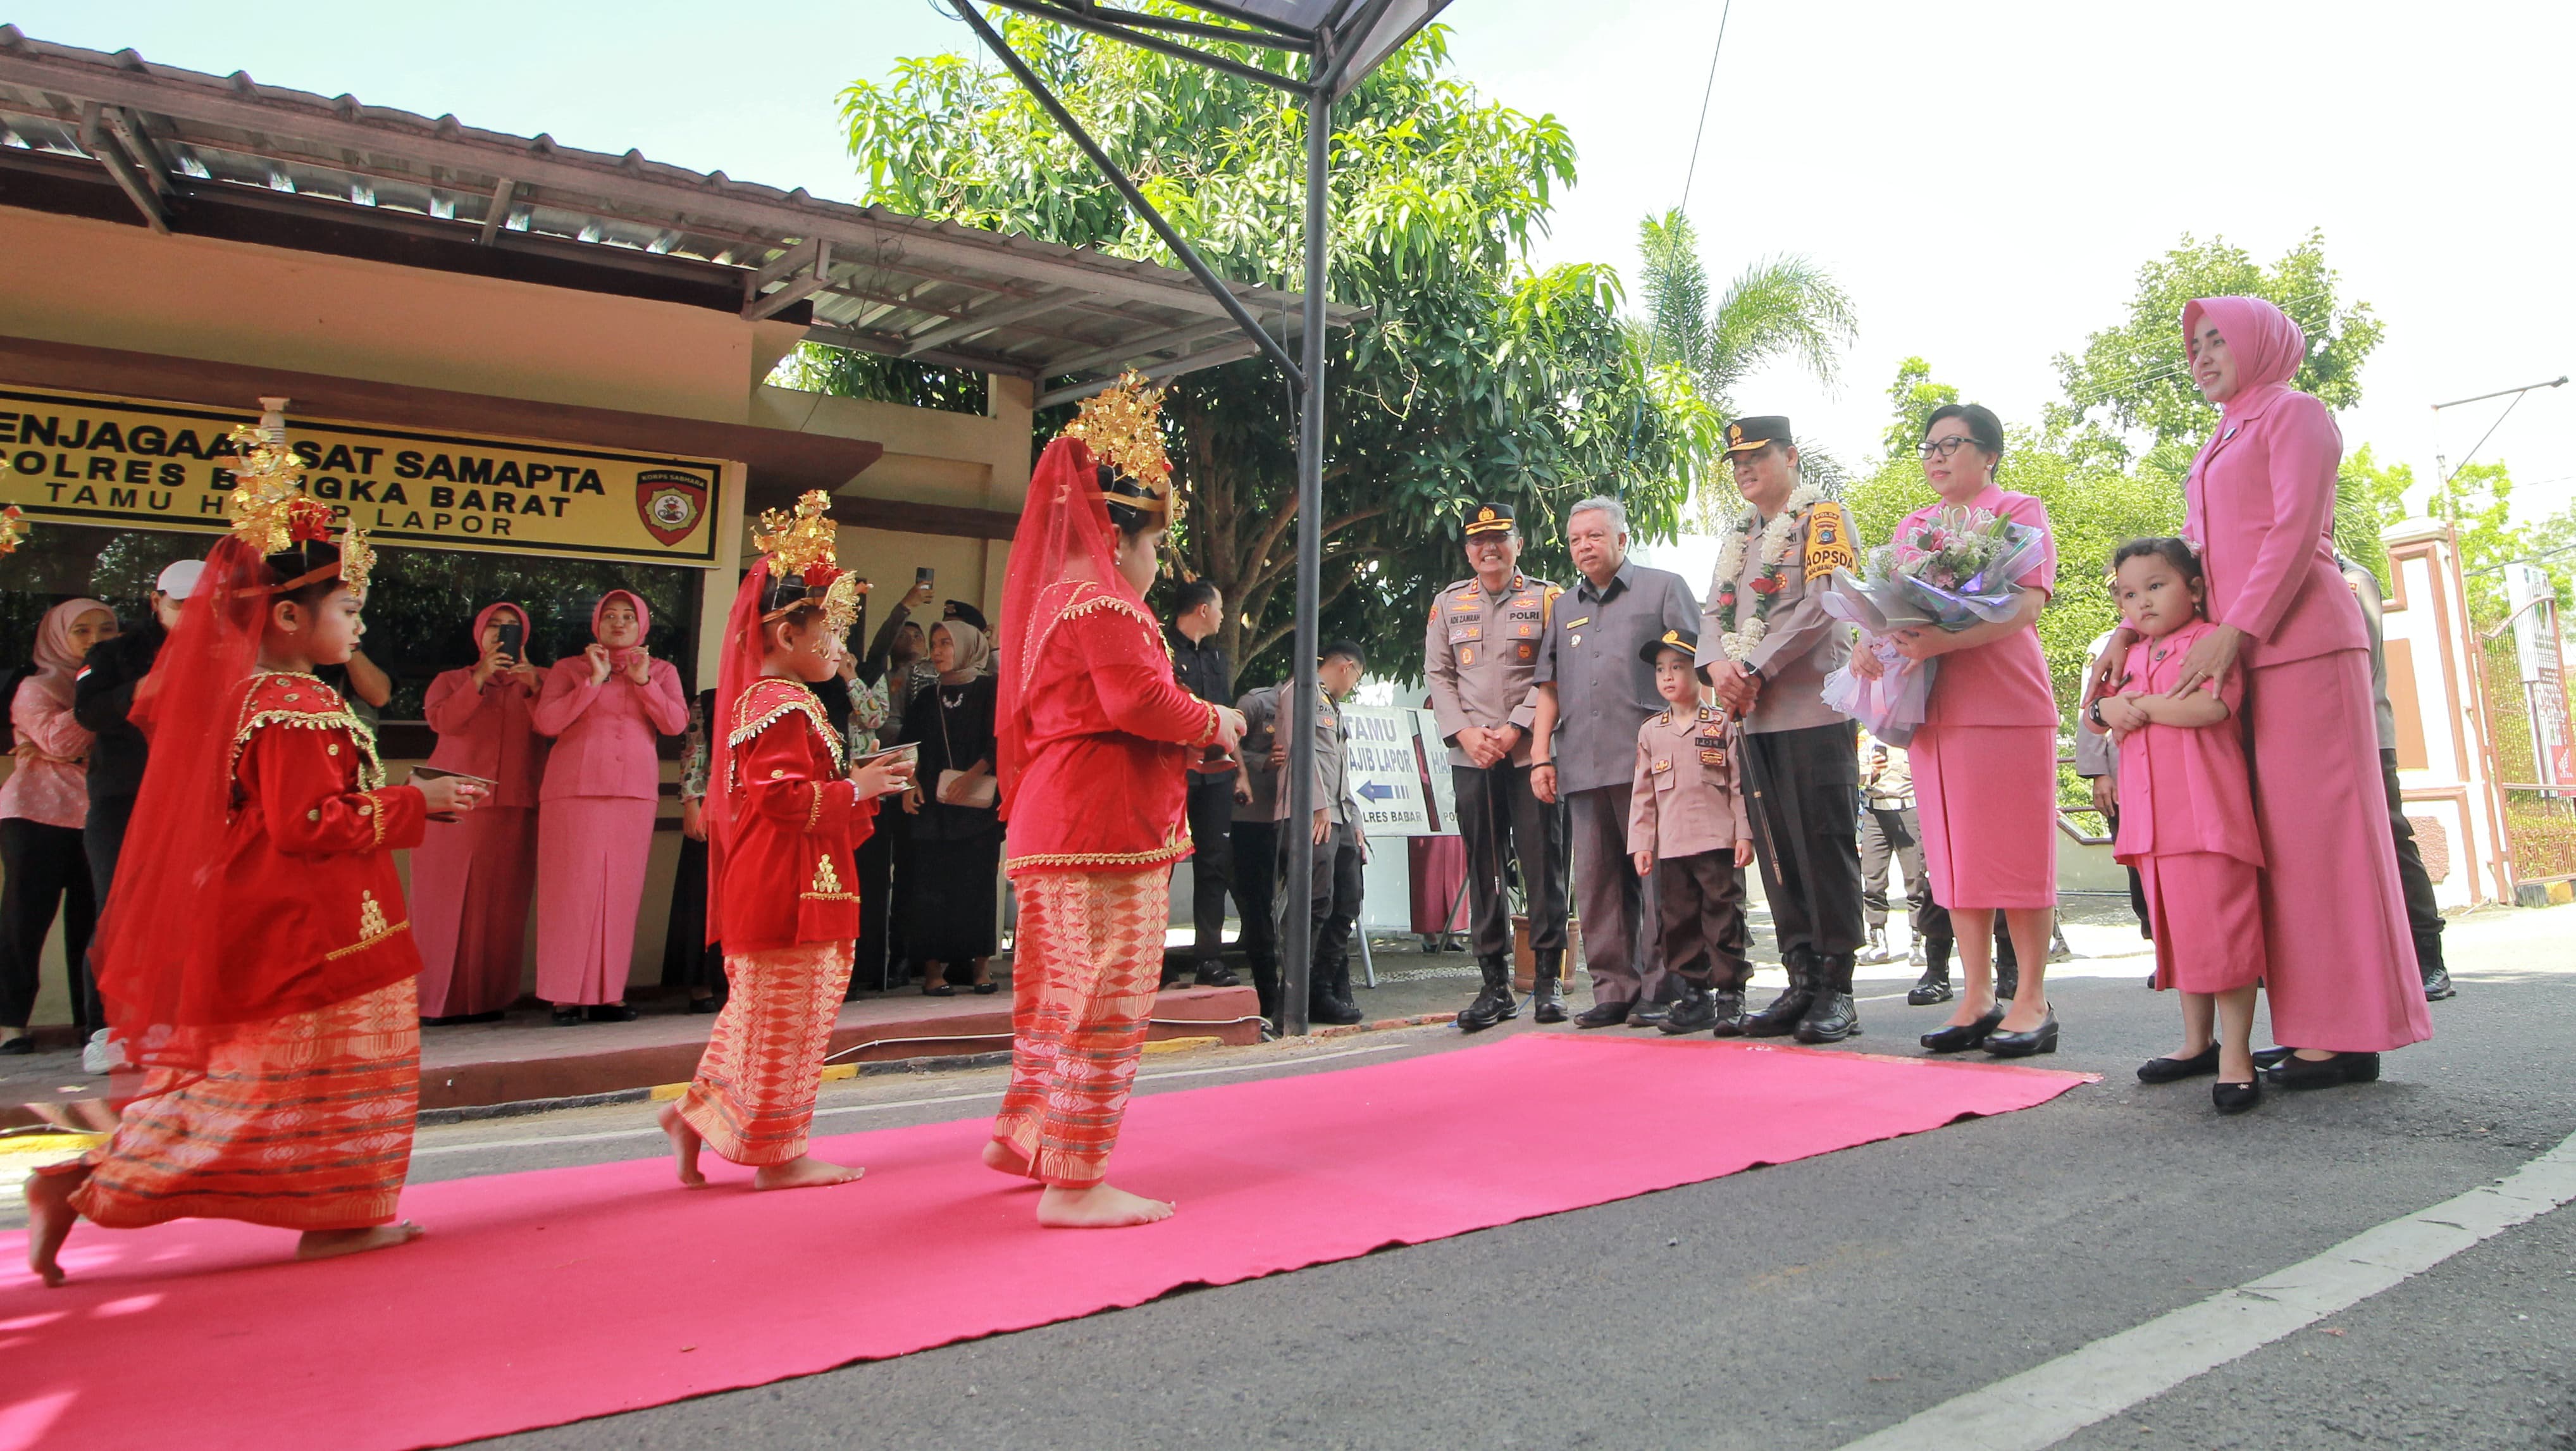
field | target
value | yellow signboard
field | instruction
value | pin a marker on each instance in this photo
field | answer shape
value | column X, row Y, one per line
column 87, row 459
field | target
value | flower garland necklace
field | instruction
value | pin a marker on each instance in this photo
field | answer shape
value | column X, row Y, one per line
column 1778, row 548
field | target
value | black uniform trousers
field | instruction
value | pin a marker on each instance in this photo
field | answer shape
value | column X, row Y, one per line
column 1805, row 786
column 2423, row 914
column 1211, row 861
column 47, row 870
column 1256, row 896
column 1334, row 899
column 1498, row 815
column 1699, row 910
column 876, row 946
column 102, row 841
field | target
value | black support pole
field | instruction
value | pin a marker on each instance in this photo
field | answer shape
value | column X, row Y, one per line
column 1298, row 969
column 1171, row 236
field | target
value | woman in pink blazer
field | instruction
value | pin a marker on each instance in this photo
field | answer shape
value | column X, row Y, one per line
column 471, row 878
column 2260, row 508
column 1985, row 757
column 603, row 788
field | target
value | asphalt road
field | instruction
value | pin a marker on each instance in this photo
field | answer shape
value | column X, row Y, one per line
column 1809, row 1304
column 1805, row 1305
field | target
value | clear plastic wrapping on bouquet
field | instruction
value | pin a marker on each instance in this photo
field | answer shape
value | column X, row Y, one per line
column 1891, row 706
column 1956, row 570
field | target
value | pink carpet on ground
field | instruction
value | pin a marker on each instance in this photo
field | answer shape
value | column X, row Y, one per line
column 545, row 1297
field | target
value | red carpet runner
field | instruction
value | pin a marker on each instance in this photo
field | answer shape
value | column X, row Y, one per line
column 546, row 1297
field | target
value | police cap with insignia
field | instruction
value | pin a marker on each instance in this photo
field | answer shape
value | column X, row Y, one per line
column 964, row 613
column 1745, row 435
column 1489, row 519
column 1680, row 640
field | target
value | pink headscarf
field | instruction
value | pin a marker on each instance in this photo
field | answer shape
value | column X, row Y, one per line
column 56, row 661
column 643, row 623
column 2268, row 347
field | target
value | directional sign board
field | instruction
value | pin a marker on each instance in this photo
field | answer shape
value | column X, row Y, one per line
column 1399, row 771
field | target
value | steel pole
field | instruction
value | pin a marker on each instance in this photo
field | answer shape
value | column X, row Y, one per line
column 1297, row 971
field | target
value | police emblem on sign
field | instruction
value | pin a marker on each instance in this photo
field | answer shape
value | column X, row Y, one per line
column 670, row 502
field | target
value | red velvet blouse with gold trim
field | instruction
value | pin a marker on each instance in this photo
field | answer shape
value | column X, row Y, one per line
column 312, row 911
column 1110, row 735
column 790, row 871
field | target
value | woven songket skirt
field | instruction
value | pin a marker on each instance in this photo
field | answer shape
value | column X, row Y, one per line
column 753, row 1098
column 302, row 1122
column 1085, row 967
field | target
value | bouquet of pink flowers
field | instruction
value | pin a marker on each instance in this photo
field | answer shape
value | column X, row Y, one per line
column 1950, row 570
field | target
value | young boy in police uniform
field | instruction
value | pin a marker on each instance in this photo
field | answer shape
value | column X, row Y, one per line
column 1687, row 825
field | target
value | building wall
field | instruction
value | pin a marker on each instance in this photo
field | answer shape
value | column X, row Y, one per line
column 2446, row 766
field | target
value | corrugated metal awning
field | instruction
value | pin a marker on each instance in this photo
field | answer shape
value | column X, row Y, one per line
column 175, row 141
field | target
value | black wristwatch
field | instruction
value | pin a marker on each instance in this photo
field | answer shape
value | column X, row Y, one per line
column 2094, row 713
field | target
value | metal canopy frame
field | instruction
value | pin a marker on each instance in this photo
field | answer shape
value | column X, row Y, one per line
column 179, row 150
column 1341, row 43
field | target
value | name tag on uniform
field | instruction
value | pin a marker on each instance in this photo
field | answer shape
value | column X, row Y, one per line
column 1578, row 624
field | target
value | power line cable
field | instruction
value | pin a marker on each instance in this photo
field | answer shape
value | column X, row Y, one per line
column 1706, row 94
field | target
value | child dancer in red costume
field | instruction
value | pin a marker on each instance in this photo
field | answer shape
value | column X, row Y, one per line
column 1095, row 741
column 258, row 961
column 785, row 815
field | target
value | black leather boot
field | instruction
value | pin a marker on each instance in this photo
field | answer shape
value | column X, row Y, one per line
column 1781, row 1018
column 1730, row 1012
column 1547, row 997
column 1934, row 986
column 1328, row 996
column 1831, row 1015
column 1696, row 1012
column 1496, row 1002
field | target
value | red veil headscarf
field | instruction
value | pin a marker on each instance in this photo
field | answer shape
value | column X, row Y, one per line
column 1064, row 541
column 157, row 958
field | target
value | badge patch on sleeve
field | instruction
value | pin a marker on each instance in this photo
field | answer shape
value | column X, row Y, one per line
column 1829, row 542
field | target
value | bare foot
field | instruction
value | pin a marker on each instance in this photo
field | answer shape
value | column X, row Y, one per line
column 328, row 1244
column 49, row 1221
column 685, row 1143
column 1098, row 1207
column 802, row 1172
column 1003, row 1159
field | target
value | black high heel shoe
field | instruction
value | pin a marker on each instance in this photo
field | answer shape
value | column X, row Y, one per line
column 1960, row 1037
column 2231, row 1098
column 2304, row 1073
column 2175, row 1070
column 2042, row 1039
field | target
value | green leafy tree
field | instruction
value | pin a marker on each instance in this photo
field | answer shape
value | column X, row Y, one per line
column 1777, row 309
column 2129, row 394
column 1473, row 377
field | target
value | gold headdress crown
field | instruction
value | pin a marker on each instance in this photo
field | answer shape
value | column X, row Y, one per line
column 13, row 529
column 271, row 512
column 798, row 541
column 1123, row 426
column 804, row 563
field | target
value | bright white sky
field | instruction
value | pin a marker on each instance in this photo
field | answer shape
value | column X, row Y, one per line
column 1984, row 177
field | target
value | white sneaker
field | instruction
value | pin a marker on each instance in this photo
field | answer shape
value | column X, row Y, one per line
column 102, row 1054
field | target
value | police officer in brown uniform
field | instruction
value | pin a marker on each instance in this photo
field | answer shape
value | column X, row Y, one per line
column 1480, row 654
column 1766, row 645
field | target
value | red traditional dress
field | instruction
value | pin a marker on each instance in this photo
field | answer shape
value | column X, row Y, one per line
column 784, row 903
column 1096, row 738
column 302, row 1115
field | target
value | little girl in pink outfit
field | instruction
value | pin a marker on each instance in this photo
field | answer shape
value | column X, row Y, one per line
column 2187, row 819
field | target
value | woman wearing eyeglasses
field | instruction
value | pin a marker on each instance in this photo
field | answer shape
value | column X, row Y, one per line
column 1985, row 758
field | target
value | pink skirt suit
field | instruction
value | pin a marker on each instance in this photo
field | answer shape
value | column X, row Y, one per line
column 2341, row 973
column 603, row 787
column 472, row 878
column 2187, row 825
column 1985, row 757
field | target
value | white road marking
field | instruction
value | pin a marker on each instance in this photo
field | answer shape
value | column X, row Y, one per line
column 655, row 1132
column 2048, row 1403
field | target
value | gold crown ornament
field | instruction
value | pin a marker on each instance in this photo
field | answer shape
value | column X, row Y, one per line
column 13, row 530
column 841, row 603
column 799, row 541
column 1123, row 426
column 271, row 512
